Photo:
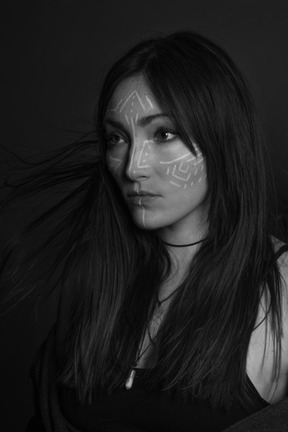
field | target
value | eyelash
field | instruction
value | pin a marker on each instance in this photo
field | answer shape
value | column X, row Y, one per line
column 166, row 131
column 156, row 133
column 109, row 138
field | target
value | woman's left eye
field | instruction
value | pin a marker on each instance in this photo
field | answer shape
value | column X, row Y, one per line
column 163, row 135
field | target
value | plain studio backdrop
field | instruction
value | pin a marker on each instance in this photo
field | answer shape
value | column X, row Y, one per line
column 55, row 55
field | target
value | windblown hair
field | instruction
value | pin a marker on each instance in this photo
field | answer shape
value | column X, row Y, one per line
column 112, row 269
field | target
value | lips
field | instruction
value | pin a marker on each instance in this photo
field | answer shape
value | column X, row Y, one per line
column 141, row 198
column 141, row 194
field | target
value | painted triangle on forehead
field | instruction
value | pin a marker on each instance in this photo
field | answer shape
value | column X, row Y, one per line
column 134, row 95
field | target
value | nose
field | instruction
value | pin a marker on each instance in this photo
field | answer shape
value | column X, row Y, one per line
column 138, row 164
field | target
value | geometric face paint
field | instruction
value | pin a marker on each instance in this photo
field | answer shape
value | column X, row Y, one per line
column 132, row 107
column 180, row 170
column 135, row 105
column 160, row 179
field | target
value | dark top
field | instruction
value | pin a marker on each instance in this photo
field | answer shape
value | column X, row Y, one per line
column 140, row 410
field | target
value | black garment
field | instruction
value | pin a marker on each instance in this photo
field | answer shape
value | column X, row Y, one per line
column 59, row 411
column 138, row 409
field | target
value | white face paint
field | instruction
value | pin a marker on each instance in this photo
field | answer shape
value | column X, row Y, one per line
column 162, row 182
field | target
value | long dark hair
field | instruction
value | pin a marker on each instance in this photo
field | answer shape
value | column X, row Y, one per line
column 114, row 269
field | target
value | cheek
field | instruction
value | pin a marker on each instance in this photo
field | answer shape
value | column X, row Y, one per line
column 184, row 174
column 114, row 165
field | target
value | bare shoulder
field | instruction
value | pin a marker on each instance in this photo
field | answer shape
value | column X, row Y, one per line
column 283, row 268
column 261, row 352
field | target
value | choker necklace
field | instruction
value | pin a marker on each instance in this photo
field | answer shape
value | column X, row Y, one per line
column 184, row 245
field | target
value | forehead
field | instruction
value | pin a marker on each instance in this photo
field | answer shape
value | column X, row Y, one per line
column 133, row 95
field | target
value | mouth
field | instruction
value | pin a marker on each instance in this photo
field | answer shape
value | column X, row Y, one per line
column 140, row 194
column 140, row 198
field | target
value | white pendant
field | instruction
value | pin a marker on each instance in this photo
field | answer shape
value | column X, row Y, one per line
column 130, row 379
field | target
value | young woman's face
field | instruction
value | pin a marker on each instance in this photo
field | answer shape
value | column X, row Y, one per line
column 162, row 182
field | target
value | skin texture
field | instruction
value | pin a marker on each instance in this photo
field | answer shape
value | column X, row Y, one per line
column 146, row 155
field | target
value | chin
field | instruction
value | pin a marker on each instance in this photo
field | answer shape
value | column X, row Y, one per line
column 146, row 222
column 144, row 225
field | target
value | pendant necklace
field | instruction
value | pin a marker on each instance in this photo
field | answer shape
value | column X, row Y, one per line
column 130, row 380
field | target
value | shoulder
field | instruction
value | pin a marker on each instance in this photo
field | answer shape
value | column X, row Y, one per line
column 282, row 262
column 261, row 352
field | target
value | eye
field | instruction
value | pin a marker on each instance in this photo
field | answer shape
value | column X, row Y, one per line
column 114, row 139
column 164, row 135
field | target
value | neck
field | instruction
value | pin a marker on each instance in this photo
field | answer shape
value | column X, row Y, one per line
column 184, row 233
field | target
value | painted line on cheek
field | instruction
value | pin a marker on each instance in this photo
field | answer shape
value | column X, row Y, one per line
column 192, row 159
column 118, row 163
column 175, row 184
column 182, row 169
column 178, row 177
column 197, row 161
column 127, row 120
column 174, row 160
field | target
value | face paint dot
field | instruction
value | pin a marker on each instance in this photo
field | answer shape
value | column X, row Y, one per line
column 201, row 168
column 199, row 179
column 192, row 183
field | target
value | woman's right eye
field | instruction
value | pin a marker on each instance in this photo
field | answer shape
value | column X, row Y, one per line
column 114, row 139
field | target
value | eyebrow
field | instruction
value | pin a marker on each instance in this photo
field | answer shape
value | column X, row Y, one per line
column 143, row 121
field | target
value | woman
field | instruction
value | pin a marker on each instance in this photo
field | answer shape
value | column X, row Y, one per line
column 173, row 311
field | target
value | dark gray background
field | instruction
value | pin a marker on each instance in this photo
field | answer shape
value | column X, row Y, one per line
column 54, row 57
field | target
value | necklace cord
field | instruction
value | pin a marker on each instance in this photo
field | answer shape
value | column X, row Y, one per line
column 184, row 245
column 130, row 379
